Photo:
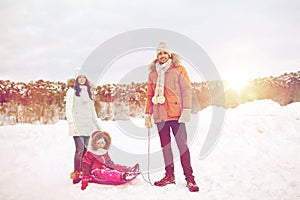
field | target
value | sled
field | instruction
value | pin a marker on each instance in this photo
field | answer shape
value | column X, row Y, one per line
column 95, row 179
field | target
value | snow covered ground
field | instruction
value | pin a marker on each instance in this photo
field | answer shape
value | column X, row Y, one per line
column 257, row 157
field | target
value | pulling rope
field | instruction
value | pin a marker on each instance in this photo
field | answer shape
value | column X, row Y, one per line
column 148, row 166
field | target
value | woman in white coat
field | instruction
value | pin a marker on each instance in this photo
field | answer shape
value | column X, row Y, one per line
column 82, row 119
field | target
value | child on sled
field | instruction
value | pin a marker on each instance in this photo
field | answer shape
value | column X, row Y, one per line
column 97, row 166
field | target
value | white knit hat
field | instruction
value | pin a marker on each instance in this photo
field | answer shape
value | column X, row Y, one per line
column 79, row 72
column 162, row 47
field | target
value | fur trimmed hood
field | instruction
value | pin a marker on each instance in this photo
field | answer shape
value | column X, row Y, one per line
column 100, row 134
column 176, row 60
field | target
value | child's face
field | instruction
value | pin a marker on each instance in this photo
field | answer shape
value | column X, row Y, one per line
column 100, row 143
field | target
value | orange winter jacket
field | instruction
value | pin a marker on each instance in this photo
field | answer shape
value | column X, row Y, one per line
column 177, row 91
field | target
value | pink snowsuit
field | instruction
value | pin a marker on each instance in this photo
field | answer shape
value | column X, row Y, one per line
column 102, row 167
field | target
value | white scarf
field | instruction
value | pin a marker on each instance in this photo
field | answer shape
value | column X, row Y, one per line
column 159, row 97
column 98, row 152
column 84, row 93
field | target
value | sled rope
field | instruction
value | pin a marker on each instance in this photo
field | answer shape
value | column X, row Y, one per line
column 148, row 180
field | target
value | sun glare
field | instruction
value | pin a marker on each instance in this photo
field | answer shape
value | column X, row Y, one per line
column 236, row 83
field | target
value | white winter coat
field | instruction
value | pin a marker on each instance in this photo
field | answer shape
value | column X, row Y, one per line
column 81, row 116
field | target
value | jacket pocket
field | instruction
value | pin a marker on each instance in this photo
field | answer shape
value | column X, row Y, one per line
column 159, row 113
column 174, row 109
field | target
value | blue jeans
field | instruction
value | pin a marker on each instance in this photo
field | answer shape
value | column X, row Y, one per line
column 81, row 143
column 180, row 134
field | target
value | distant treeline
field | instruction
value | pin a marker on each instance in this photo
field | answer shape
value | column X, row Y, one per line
column 43, row 102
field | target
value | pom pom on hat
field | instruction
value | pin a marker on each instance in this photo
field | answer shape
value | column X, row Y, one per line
column 162, row 47
column 79, row 72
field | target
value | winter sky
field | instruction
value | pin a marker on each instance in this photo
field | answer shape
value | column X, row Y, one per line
column 49, row 39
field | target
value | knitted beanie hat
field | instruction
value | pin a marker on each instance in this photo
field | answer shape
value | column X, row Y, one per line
column 162, row 47
column 79, row 72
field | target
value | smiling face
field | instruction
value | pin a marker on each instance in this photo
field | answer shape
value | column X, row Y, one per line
column 81, row 80
column 100, row 143
column 163, row 57
column 100, row 140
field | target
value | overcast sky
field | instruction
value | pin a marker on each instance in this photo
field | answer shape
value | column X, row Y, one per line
column 49, row 39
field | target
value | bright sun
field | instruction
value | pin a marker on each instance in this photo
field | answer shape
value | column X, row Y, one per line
column 236, row 83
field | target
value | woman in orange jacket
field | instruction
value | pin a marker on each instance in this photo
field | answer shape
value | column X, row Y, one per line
column 169, row 99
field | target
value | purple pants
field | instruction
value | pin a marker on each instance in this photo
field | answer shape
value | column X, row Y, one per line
column 81, row 143
column 180, row 134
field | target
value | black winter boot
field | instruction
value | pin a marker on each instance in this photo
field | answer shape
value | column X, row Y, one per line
column 168, row 179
